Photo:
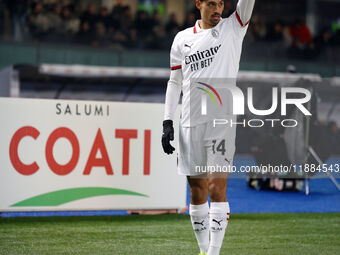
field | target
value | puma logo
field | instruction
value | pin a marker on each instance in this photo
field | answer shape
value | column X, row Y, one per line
column 199, row 223
column 187, row 45
column 218, row 222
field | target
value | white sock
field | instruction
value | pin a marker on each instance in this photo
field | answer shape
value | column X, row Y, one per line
column 218, row 220
column 199, row 215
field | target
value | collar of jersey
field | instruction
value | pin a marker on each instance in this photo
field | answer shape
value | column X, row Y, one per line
column 199, row 29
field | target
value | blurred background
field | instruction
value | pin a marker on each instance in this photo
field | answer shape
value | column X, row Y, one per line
column 305, row 33
column 118, row 51
column 284, row 36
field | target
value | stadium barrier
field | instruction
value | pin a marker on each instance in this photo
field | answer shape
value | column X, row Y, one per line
column 83, row 71
column 85, row 155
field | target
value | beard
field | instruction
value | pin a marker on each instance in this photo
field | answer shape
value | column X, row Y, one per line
column 215, row 19
column 214, row 22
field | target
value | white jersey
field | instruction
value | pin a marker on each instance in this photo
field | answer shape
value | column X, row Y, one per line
column 206, row 54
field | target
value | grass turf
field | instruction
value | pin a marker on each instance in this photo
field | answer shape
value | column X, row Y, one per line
column 169, row 234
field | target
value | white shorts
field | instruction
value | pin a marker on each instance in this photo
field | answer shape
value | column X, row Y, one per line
column 204, row 148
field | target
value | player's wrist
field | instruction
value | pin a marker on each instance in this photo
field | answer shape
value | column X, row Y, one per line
column 167, row 123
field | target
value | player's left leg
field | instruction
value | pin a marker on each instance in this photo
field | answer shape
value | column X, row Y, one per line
column 220, row 154
column 218, row 214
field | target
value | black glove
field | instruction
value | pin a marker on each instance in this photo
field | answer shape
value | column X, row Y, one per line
column 168, row 135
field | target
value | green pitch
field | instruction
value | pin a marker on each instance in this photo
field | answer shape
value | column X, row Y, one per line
column 169, row 235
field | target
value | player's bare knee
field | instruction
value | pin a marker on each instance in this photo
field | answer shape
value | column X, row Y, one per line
column 199, row 194
column 198, row 190
column 217, row 192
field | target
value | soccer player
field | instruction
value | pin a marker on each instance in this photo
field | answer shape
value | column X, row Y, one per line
column 210, row 49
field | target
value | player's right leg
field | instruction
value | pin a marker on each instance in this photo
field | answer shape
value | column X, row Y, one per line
column 192, row 153
column 199, row 211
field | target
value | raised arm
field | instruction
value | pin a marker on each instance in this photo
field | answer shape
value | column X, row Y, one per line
column 244, row 10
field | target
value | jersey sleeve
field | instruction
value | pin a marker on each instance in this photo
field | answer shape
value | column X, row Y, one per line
column 174, row 87
column 175, row 54
column 241, row 17
column 173, row 93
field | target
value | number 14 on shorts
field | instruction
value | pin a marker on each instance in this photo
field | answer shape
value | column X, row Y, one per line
column 218, row 146
column 220, row 155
